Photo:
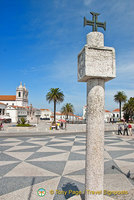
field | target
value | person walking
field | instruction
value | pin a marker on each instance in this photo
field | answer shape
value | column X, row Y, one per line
column 58, row 126
column 119, row 129
column 125, row 128
column 130, row 129
column 61, row 125
column 65, row 125
column 1, row 126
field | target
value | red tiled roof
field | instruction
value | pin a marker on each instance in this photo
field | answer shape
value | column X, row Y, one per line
column 18, row 107
column 57, row 113
column 107, row 111
column 81, row 118
column 2, row 103
column 116, row 110
column 71, row 114
column 45, row 109
column 7, row 97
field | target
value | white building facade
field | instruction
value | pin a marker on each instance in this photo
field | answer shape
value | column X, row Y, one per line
column 2, row 109
column 71, row 117
column 15, row 106
column 84, row 112
column 16, row 113
column 116, row 115
column 109, row 116
column 45, row 114
column 20, row 99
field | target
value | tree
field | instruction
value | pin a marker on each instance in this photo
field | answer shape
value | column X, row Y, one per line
column 66, row 109
column 55, row 95
column 128, row 109
column 23, row 120
column 120, row 97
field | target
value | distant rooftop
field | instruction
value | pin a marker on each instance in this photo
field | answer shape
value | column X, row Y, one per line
column 2, row 103
column 7, row 97
column 45, row 109
column 107, row 111
column 116, row 110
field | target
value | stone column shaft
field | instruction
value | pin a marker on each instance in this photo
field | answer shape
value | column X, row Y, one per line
column 96, row 65
column 95, row 139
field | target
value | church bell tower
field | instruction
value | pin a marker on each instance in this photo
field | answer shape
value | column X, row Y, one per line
column 21, row 96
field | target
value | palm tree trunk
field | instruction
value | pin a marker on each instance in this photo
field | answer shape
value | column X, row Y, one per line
column 54, row 111
column 120, row 109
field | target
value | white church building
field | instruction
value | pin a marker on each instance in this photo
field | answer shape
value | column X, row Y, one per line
column 15, row 106
column 20, row 99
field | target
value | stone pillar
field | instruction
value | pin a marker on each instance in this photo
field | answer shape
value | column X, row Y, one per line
column 96, row 65
column 95, row 139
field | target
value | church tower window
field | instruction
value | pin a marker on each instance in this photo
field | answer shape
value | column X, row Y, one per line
column 19, row 94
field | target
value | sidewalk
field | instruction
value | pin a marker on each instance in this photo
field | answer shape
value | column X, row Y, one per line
column 44, row 129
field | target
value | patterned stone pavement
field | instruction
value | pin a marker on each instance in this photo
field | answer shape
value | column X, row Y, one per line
column 58, row 163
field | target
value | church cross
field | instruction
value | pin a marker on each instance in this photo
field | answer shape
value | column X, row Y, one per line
column 94, row 23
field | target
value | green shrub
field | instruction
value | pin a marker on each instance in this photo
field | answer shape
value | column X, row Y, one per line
column 22, row 120
column 23, row 125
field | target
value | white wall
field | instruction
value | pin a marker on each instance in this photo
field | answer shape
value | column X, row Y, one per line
column 16, row 113
column 2, row 108
column 9, row 102
column 84, row 112
column 107, row 116
column 45, row 113
column 116, row 116
column 12, row 113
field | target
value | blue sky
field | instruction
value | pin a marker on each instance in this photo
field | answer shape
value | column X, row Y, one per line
column 40, row 41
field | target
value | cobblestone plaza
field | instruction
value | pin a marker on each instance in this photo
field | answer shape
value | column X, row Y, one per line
column 57, row 162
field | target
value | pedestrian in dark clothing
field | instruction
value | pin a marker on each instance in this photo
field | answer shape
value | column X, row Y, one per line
column 125, row 128
column 1, row 126
column 119, row 129
column 61, row 125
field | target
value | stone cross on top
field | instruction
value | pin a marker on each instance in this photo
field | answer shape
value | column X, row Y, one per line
column 94, row 23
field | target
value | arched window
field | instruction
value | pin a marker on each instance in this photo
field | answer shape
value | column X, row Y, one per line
column 19, row 94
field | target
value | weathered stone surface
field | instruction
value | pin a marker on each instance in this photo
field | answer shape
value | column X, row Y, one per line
column 95, row 137
column 96, row 64
column 95, row 39
column 95, row 60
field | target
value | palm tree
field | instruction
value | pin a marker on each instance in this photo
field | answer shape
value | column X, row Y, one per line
column 128, row 109
column 120, row 97
column 66, row 109
column 55, row 95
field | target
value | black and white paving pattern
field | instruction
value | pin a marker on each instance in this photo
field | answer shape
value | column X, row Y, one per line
column 57, row 164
